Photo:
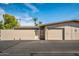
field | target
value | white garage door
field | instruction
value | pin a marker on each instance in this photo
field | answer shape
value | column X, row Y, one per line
column 18, row 35
column 54, row 34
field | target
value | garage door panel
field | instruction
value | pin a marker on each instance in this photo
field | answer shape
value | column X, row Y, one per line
column 54, row 34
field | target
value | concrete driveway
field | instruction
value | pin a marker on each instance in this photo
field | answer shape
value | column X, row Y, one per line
column 40, row 48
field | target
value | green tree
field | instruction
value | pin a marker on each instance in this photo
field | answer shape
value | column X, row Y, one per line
column 10, row 21
column 1, row 24
column 40, row 23
column 35, row 21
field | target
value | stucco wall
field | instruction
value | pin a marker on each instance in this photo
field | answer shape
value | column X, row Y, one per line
column 71, row 31
column 18, row 35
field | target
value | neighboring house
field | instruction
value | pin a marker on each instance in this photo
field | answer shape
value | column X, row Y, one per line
column 67, row 30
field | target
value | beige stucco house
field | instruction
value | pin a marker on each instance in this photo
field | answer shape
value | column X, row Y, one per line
column 66, row 30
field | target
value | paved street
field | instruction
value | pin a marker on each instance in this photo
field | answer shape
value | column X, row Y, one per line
column 27, row 48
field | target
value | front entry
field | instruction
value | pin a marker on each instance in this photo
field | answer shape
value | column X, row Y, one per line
column 42, row 33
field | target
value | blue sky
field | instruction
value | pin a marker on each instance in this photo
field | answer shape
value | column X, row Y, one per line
column 45, row 12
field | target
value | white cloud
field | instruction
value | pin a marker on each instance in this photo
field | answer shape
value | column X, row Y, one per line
column 32, row 7
column 1, row 13
column 25, row 20
column 24, row 17
column 27, row 24
column 5, row 3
